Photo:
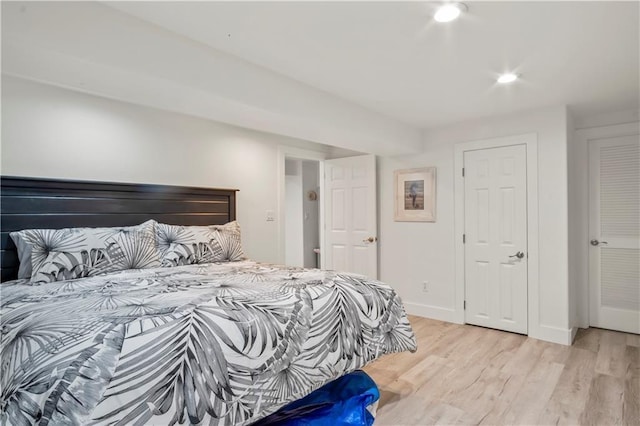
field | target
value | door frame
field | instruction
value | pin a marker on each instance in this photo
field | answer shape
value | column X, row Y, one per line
column 530, row 140
column 284, row 152
column 581, row 174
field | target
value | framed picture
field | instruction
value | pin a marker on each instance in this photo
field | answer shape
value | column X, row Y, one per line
column 415, row 191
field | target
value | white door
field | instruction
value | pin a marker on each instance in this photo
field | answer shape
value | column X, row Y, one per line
column 351, row 215
column 614, row 233
column 495, row 220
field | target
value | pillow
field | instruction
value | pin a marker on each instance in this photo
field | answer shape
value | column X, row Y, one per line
column 24, row 255
column 62, row 254
column 187, row 245
column 229, row 238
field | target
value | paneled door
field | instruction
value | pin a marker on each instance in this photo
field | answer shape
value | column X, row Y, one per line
column 351, row 215
column 614, row 233
column 495, row 235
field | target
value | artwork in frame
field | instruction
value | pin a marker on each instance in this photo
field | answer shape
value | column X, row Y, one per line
column 415, row 191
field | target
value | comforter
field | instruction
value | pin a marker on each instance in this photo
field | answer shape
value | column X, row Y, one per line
column 220, row 344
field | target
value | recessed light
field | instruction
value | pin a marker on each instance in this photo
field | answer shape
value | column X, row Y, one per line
column 449, row 12
column 507, row 78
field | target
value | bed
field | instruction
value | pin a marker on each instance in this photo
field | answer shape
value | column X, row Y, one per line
column 219, row 342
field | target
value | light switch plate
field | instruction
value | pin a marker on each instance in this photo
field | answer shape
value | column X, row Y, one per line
column 271, row 216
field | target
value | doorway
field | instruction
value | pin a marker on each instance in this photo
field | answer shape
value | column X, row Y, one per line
column 347, row 211
column 302, row 213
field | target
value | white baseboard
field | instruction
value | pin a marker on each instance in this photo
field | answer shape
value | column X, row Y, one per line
column 574, row 331
column 562, row 336
column 547, row 333
column 429, row 311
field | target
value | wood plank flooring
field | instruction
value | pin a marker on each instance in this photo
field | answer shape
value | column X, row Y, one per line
column 468, row 375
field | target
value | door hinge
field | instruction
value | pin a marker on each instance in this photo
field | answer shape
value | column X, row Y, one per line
column 463, row 172
column 464, row 305
column 464, row 238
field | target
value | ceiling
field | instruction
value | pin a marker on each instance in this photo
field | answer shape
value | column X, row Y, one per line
column 366, row 76
column 393, row 58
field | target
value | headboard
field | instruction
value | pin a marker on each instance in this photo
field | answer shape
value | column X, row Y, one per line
column 32, row 203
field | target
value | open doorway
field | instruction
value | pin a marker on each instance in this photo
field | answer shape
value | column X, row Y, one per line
column 302, row 239
column 302, row 212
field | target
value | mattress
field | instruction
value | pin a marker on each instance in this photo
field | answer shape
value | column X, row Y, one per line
column 220, row 344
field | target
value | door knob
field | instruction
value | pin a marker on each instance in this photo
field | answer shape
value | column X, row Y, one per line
column 519, row 255
column 595, row 242
column 370, row 240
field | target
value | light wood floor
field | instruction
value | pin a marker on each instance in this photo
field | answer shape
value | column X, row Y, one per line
column 469, row 375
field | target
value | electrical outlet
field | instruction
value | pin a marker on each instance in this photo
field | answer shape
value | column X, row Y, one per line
column 425, row 286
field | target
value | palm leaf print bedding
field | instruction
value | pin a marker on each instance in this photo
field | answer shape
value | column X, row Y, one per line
column 220, row 344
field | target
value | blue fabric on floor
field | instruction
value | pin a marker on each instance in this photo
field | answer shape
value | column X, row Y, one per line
column 343, row 401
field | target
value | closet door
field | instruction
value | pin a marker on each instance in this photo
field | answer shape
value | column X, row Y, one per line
column 495, row 218
column 614, row 233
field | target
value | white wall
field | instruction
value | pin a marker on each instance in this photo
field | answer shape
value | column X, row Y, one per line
column 625, row 116
column 411, row 253
column 57, row 133
column 53, row 42
column 577, row 274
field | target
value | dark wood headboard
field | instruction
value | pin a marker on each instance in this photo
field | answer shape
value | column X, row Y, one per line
column 32, row 203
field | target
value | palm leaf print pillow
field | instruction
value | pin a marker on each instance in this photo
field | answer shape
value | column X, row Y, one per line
column 64, row 254
column 188, row 245
column 229, row 238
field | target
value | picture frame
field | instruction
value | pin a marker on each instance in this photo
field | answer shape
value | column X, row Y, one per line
column 415, row 195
